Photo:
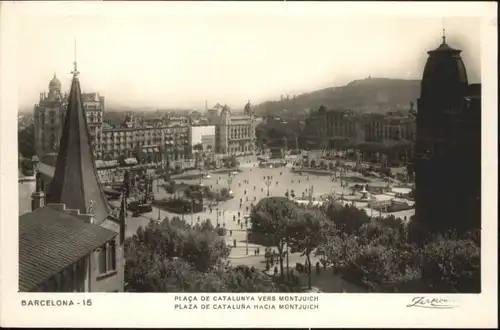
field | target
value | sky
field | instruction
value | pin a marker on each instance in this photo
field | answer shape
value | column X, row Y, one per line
column 177, row 60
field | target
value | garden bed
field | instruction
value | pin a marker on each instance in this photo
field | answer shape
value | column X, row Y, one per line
column 394, row 207
column 227, row 170
column 178, row 206
column 312, row 171
column 356, row 179
column 192, row 176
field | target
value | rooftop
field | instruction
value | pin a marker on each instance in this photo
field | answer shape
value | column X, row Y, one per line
column 51, row 240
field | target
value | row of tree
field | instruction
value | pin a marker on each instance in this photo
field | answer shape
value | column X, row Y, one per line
column 374, row 252
column 173, row 256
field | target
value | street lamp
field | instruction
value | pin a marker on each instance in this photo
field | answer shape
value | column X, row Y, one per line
column 268, row 182
column 217, row 213
column 229, row 181
column 246, row 234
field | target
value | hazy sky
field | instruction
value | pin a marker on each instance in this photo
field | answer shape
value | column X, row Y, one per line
column 173, row 60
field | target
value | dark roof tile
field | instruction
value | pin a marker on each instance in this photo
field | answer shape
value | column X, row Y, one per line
column 51, row 240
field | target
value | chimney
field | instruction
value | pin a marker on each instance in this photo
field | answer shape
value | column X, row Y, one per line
column 38, row 196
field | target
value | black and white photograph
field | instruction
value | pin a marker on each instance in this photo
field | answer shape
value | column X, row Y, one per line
column 244, row 153
column 248, row 157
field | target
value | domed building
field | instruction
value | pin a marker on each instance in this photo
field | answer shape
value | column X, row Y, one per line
column 234, row 133
column 448, row 145
column 49, row 118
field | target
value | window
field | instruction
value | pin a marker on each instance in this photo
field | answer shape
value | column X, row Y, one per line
column 107, row 258
column 102, row 260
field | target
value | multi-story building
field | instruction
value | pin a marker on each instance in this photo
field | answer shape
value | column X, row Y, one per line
column 392, row 127
column 234, row 134
column 49, row 116
column 153, row 144
column 329, row 124
column 74, row 243
column 448, row 146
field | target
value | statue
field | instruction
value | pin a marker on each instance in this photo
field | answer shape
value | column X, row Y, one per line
column 90, row 207
column 38, row 182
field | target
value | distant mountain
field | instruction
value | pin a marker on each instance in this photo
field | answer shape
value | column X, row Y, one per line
column 365, row 95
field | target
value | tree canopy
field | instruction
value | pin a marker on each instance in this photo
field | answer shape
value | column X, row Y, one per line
column 173, row 256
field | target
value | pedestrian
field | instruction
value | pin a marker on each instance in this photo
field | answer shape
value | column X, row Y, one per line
column 318, row 269
column 230, row 232
column 234, row 242
column 275, row 270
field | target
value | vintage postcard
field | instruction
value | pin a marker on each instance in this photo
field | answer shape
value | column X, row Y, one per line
column 248, row 164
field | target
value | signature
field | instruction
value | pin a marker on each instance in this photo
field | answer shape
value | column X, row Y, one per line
column 437, row 303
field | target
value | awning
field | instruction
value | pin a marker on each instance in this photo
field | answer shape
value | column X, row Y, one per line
column 130, row 161
column 99, row 164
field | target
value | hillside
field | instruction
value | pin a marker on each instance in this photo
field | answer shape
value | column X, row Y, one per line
column 370, row 94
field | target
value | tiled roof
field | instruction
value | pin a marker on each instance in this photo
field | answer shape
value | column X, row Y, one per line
column 75, row 182
column 51, row 240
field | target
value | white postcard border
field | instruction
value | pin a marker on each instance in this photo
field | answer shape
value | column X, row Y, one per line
column 157, row 310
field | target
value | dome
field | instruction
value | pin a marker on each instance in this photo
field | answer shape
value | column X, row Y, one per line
column 226, row 111
column 249, row 109
column 55, row 83
column 444, row 72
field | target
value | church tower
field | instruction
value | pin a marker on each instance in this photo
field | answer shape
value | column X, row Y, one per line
column 445, row 155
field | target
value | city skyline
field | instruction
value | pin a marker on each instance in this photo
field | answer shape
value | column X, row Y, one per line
column 193, row 62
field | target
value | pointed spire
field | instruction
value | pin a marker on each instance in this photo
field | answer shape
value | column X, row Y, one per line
column 75, row 71
column 75, row 182
column 444, row 36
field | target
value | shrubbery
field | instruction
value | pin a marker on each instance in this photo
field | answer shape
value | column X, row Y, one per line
column 379, row 255
column 173, row 256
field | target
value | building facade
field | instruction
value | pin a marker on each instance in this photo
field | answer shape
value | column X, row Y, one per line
column 234, row 134
column 448, row 146
column 151, row 144
column 49, row 116
column 330, row 124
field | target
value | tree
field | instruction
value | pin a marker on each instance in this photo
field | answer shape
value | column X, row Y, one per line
column 175, row 257
column 451, row 265
column 346, row 218
column 26, row 140
column 270, row 220
column 198, row 147
column 306, row 234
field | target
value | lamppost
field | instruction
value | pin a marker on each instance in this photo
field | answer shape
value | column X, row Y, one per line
column 246, row 233
column 229, row 181
column 192, row 211
column 268, row 182
column 217, row 213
